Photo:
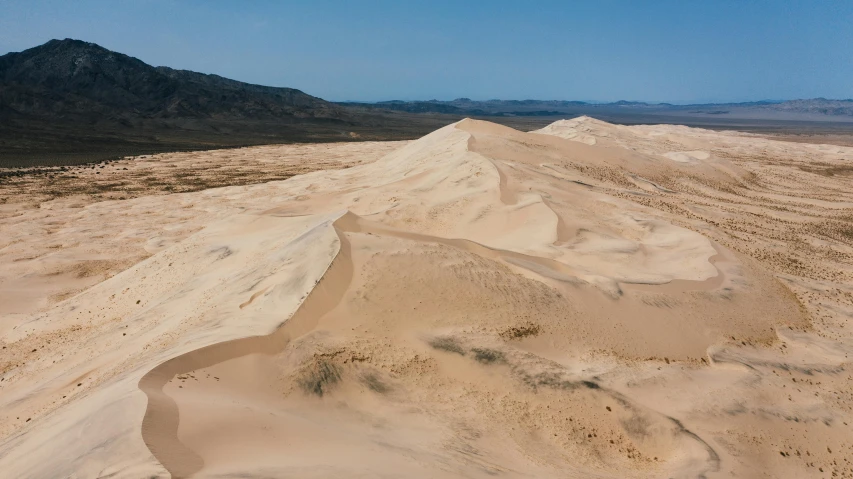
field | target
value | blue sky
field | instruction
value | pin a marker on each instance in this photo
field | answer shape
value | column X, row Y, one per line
column 677, row 51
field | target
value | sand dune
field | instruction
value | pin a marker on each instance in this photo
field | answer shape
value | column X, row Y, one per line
column 586, row 300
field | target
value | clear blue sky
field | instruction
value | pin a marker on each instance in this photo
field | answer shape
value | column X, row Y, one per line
column 678, row 51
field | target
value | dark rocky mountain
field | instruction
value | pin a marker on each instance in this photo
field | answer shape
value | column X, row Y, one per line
column 75, row 79
column 69, row 101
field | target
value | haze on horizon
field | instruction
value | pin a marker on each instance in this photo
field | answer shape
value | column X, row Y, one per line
column 678, row 52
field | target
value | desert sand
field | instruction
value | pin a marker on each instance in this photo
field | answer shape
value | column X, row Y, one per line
column 585, row 300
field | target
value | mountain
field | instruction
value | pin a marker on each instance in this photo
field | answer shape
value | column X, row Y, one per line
column 75, row 79
column 816, row 106
column 70, row 101
column 468, row 107
column 816, row 109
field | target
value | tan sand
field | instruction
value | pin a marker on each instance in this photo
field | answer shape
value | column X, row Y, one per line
column 587, row 300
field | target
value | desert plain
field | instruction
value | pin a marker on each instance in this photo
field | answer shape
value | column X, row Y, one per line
column 584, row 300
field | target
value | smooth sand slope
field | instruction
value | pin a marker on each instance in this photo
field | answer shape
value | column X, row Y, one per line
column 587, row 300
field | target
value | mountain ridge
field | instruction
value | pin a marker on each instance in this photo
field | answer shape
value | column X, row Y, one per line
column 823, row 106
column 99, row 80
column 70, row 101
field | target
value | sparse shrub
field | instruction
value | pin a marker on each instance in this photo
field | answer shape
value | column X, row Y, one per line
column 447, row 343
column 374, row 382
column 319, row 377
column 522, row 331
column 488, row 356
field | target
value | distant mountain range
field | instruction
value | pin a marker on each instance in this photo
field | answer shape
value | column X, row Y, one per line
column 818, row 106
column 68, row 101
column 466, row 106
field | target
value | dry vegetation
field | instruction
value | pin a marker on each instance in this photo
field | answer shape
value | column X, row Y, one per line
column 181, row 172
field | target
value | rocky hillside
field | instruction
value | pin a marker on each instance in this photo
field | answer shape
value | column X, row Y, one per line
column 72, row 78
column 69, row 101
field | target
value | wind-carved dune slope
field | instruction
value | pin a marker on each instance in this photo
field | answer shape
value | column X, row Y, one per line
column 481, row 302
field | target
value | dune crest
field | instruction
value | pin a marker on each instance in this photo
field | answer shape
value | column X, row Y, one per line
column 479, row 302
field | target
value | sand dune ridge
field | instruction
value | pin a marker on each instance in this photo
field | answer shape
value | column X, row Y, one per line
column 479, row 302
